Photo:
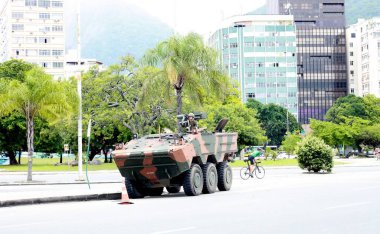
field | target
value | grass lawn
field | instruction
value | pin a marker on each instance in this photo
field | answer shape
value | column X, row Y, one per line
column 270, row 163
column 47, row 164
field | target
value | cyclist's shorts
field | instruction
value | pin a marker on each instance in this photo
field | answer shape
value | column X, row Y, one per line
column 251, row 159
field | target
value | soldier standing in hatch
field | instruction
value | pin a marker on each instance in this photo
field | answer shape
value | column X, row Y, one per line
column 193, row 124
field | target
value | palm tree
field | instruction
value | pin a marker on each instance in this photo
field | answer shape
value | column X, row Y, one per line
column 38, row 95
column 187, row 65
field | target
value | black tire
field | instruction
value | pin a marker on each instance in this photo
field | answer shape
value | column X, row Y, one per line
column 210, row 178
column 224, row 176
column 244, row 173
column 193, row 181
column 133, row 191
column 154, row 191
column 259, row 172
column 173, row 189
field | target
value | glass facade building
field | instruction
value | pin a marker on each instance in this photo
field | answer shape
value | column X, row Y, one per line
column 321, row 53
column 259, row 53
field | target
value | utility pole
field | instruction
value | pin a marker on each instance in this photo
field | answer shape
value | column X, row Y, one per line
column 79, row 87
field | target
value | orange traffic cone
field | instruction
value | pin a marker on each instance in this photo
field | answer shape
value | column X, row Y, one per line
column 124, row 195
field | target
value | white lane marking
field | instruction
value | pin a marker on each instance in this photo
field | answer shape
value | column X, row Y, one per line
column 174, row 230
column 347, row 205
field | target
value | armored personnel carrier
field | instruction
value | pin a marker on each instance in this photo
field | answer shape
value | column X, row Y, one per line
column 198, row 162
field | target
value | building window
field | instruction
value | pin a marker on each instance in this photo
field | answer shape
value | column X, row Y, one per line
column 17, row 27
column 44, row 16
column 351, row 63
column 17, row 15
column 57, row 4
column 250, row 95
column 44, row 3
column 30, row 2
column 57, row 28
column 353, row 35
column 351, row 44
column 44, row 53
column 233, row 65
column 57, row 52
column 44, row 64
column 248, row 44
column 250, row 64
column 57, row 64
column 249, row 74
column 352, row 72
column 351, row 53
column 233, row 45
column 292, row 94
column 44, row 40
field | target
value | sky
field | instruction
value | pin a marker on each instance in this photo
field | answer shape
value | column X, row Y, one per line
column 201, row 16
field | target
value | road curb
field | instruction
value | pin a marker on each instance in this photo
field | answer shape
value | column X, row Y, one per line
column 87, row 197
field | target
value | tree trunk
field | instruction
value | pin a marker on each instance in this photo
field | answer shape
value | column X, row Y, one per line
column 19, row 156
column 12, row 157
column 105, row 156
column 30, row 143
column 179, row 105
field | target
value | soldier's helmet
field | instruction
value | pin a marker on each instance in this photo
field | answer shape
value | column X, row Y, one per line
column 191, row 115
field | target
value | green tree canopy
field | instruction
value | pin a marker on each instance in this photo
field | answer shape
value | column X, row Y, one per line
column 347, row 106
column 290, row 142
column 241, row 120
column 37, row 96
column 189, row 67
column 275, row 120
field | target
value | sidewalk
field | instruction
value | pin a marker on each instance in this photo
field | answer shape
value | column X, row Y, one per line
column 48, row 187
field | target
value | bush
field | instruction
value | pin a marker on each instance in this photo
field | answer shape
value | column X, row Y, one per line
column 314, row 154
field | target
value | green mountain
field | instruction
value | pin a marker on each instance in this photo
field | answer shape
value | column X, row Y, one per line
column 354, row 10
column 112, row 29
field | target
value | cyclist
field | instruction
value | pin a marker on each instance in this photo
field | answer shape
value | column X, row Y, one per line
column 256, row 153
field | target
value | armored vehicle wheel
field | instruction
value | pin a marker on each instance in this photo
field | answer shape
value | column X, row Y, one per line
column 133, row 191
column 154, row 191
column 224, row 176
column 193, row 181
column 173, row 189
column 210, row 178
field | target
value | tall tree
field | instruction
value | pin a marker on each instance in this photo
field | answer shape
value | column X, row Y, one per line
column 347, row 106
column 12, row 129
column 37, row 96
column 275, row 120
column 189, row 67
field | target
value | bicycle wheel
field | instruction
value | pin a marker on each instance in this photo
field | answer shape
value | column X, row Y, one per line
column 259, row 172
column 244, row 173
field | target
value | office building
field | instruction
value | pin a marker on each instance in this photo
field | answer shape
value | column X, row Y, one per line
column 259, row 53
column 321, row 53
column 363, row 56
column 33, row 30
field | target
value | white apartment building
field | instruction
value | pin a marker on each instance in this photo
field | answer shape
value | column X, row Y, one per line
column 33, row 30
column 363, row 56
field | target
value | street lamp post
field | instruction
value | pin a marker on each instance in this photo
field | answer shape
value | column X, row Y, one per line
column 79, row 88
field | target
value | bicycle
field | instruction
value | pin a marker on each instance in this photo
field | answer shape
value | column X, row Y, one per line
column 259, row 171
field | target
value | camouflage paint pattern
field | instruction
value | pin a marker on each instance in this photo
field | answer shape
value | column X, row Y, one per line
column 155, row 160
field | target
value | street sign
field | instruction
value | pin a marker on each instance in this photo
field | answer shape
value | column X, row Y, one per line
column 66, row 147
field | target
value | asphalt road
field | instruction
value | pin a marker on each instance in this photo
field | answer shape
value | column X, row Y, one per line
column 285, row 201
